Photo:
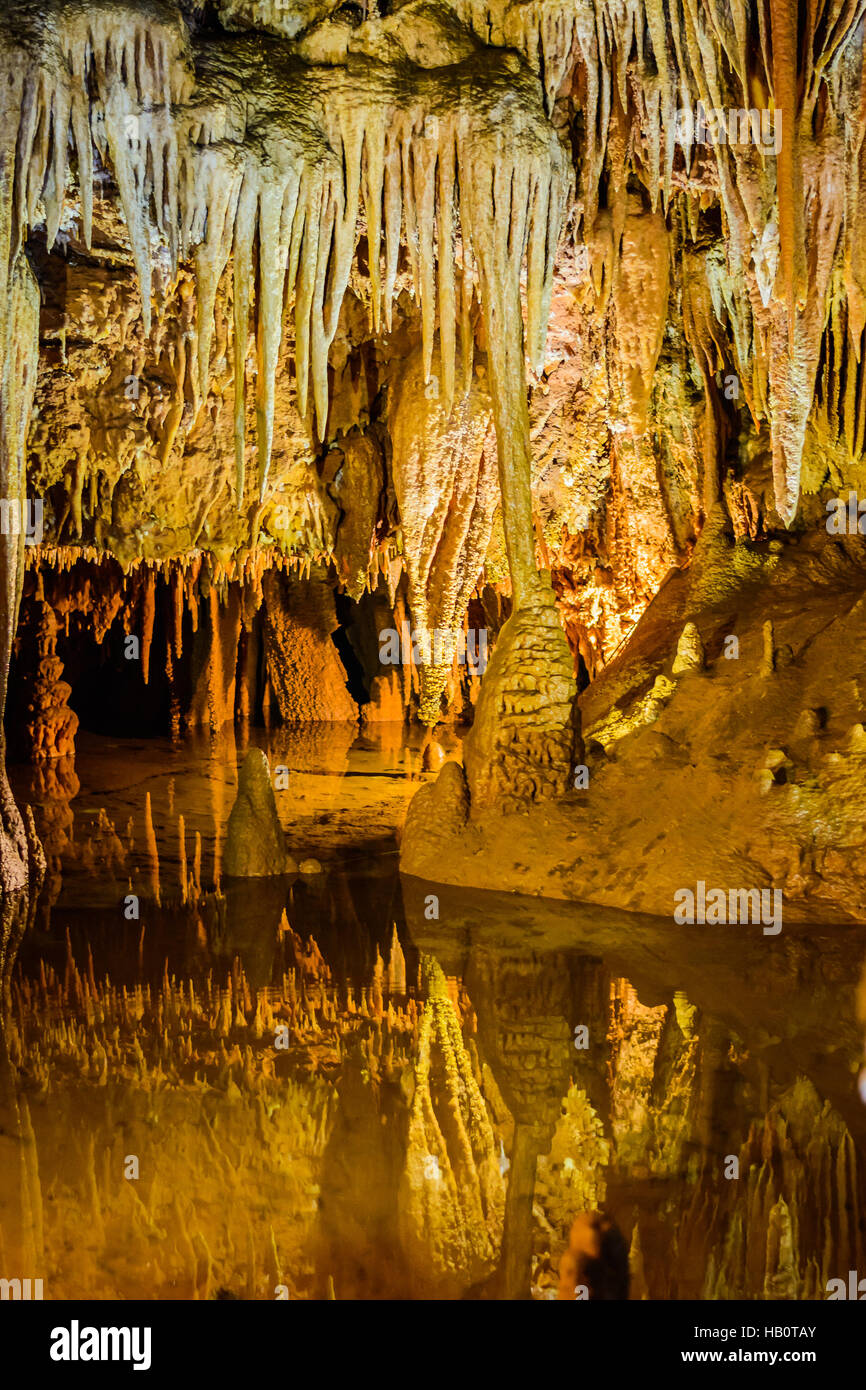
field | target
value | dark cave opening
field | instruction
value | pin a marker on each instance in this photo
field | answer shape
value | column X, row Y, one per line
column 109, row 692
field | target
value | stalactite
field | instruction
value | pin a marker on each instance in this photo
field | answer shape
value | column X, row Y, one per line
column 202, row 185
column 444, row 474
column 148, row 618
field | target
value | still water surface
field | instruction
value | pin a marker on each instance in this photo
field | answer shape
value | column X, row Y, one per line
column 352, row 1084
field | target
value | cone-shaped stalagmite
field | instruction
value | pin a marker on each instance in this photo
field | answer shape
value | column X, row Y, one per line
column 255, row 843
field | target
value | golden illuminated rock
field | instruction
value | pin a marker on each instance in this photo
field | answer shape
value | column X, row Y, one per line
column 255, row 843
column 497, row 369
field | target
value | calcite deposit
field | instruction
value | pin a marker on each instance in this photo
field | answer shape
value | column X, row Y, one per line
column 471, row 395
column 255, row 842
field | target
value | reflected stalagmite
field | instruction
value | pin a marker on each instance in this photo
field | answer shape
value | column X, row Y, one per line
column 451, row 1194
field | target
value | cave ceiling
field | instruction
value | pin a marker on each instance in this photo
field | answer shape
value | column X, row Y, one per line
column 246, row 218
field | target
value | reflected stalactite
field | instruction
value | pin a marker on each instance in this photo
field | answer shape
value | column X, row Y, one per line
column 792, row 1221
column 152, row 849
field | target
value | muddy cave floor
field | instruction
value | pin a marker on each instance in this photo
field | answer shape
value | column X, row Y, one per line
column 364, row 1156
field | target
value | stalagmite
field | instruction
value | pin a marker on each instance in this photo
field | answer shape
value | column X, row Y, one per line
column 255, row 843
column 152, row 848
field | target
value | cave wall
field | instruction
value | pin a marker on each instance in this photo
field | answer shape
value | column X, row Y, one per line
column 294, row 260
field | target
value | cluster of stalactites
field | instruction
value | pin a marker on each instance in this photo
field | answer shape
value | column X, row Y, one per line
column 437, row 183
column 108, row 1027
column 544, row 31
column 103, row 76
column 19, row 356
column 787, row 155
column 198, row 181
column 457, row 1220
column 782, row 150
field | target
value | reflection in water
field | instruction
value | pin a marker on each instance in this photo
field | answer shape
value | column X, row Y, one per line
column 306, row 1087
column 595, row 1263
column 716, row 1124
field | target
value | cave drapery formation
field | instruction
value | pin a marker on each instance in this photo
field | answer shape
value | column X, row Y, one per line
column 353, row 234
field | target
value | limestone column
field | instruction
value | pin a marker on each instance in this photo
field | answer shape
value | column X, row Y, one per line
column 19, row 353
column 521, row 746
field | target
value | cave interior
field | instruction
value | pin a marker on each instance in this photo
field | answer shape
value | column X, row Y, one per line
column 432, row 777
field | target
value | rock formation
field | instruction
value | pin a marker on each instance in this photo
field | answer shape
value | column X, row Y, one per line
column 255, row 843
column 302, row 272
column 499, row 370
